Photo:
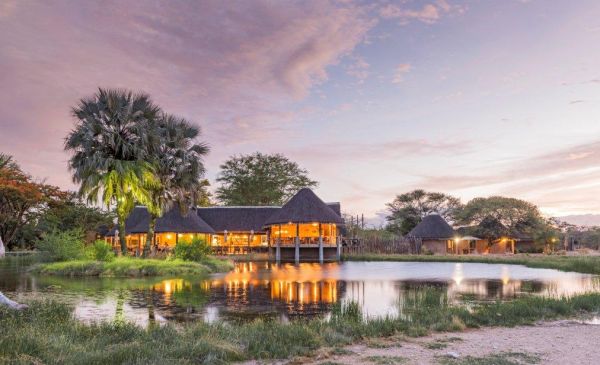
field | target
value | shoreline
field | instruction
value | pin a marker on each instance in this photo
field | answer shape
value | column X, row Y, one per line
column 585, row 264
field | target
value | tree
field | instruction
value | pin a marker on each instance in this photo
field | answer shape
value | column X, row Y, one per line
column 69, row 213
column 203, row 195
column 260, row 179
column 22, row 200
column 408, row 209
column 178, row 168
column 500, row 216
column 114, row 136
column 546, row 236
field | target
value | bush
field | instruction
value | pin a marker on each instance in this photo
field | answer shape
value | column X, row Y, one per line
column 62, row 246
column 101, row 251
column 195, row 250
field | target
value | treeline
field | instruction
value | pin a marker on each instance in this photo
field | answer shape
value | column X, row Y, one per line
column 485, row 217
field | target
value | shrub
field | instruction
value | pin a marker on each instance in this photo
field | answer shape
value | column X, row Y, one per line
column 61, row 246
column 101, row 251
column 195, row 250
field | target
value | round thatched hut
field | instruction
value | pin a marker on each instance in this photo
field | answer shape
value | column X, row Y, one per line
column 435, row 234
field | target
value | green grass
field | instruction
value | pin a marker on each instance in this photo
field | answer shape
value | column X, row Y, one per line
column 134, row 267
column 441, row 343
column 582, row 264
column 503, row 358
column 386, row 360
column 47, row 333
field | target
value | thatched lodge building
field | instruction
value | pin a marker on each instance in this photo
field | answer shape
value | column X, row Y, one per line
column 305, row 228
column 438, row 237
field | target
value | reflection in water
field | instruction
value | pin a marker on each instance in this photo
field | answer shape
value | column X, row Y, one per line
column 262, row 289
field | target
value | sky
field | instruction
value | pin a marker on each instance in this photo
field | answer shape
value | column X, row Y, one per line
column 470, row 98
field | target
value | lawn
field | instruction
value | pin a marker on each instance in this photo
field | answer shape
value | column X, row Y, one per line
column 134, row 267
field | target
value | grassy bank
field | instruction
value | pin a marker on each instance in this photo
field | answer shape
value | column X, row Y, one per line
column 134, row 267
column 582, row 264
column 47, row 332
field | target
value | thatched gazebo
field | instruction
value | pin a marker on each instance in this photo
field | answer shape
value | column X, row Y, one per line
column 304, row 222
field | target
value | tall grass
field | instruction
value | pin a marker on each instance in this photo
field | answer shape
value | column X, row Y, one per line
column 46, row 332
column 582, row 264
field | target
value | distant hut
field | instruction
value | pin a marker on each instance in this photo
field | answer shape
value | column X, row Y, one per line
column 435, row 234
column 304, row 222
column 170, row 228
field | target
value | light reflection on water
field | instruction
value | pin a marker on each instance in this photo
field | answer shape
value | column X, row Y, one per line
column 289, row 291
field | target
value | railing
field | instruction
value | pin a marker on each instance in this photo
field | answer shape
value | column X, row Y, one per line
column 305, row 241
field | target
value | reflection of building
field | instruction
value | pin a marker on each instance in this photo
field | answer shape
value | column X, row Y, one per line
column 269, row 288
column 304, row 222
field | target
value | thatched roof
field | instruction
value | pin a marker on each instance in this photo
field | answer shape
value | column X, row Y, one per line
column 171, row 221
column 432, row 226
column 304, row 207
column 236, row 219
column 335, row 206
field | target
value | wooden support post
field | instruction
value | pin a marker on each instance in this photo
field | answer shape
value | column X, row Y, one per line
column 338, row 248
column 297, row 244
column 320, row 243
column 278, row 247
column 269, row 244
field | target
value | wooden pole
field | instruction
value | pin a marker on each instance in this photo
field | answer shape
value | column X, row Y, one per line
column 278, row 247
column 321, row 243
column 297, row 248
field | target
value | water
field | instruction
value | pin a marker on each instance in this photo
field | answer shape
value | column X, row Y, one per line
column 283, row 292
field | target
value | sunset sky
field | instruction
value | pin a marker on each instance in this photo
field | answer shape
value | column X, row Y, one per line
column 374, row 98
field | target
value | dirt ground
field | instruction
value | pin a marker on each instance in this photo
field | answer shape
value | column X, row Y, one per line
column 560, row 343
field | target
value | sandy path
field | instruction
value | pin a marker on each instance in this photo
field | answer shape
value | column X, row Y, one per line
column 562, row 342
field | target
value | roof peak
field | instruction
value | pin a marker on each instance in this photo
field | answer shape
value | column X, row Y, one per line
column 305, row 206
column 240, row 206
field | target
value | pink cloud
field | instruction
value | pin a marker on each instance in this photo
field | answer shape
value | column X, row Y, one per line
column 234, row 68
column 428, row 13
column 401, row 70
column 563, row 179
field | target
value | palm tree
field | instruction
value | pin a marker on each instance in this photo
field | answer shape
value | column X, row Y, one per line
column 179, row 167
column 111, row 143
